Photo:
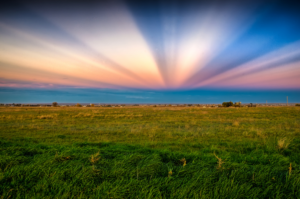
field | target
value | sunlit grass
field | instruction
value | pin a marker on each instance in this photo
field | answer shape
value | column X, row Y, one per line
column 150, row 152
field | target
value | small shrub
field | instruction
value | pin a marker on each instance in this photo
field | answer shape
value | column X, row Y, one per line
column 170, row 173
column 252, row 105
column 297, row 104
column 95, row 158
column 3, row 117
column 54, row 104
column 183, row 161
column 83, row 115
column 283, row 143
column 227, row 104
column 260, row 134
column 47, row 116
column 78, row 105
column 237, row 104
column 220, row 161
column 235, row 123
column 61, row 158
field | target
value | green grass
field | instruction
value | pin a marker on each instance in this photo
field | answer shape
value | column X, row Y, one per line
column 141, row 152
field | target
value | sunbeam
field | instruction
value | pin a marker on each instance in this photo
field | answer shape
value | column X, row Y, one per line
column 268, row 62
column 113, row 35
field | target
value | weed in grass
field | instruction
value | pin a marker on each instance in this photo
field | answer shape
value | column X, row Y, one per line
column 220, row 161
column 95, row 157
column 60, row 158
column 260, row 133
column 183, row 161
column 290, row 169
column 170, row 173
column 283, row 143
column 80, row 115
column 235, row 124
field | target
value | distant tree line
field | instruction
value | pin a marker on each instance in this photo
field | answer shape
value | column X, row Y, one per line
column 230, row 104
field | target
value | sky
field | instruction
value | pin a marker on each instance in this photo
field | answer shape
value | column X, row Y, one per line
column 149, row 51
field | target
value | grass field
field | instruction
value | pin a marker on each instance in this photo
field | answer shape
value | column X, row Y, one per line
column 150, row 152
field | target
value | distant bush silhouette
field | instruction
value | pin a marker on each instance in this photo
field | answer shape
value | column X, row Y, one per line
column 227, row 104
column 78, row 105
column 237, row 104
column 252, row 105
column 54, row 104
column 297, row 104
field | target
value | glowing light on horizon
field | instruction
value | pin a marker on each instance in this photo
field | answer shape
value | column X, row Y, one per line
column 116, row 37
column 62, row 60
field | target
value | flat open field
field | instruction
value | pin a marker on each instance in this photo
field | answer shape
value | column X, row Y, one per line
column 150, row 152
